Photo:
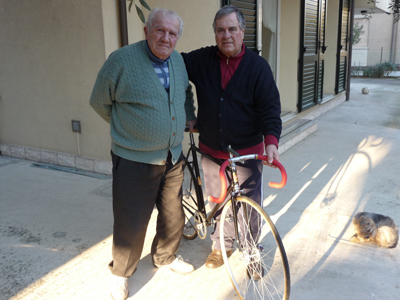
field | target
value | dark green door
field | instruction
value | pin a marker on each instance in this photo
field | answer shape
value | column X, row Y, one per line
column 311, row 57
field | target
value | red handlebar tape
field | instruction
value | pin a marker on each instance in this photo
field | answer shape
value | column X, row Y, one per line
column 271, row 184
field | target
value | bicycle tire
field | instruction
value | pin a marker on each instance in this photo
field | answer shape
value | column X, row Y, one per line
column 189, row 202
column 264, row 248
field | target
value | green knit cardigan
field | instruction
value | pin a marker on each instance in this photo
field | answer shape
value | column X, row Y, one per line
column 145, row 121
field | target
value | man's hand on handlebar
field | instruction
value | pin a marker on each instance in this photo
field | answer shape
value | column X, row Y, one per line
column 192, row 125
column 272, row 152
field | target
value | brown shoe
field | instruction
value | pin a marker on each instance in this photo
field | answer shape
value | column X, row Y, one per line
column 255, row 271
column 215, row 259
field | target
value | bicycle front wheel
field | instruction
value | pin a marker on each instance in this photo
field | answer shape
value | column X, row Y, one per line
column 261, row 269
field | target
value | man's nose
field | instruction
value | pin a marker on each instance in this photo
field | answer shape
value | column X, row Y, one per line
column 226, row 34
column 165, row 36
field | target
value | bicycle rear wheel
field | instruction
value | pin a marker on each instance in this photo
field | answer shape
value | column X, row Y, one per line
column 261, row 269
column 189, row 202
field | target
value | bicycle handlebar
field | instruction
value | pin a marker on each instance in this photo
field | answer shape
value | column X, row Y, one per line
column 242, row 158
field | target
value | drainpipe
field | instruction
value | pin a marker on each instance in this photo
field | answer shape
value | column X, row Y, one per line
column 394, row 41
column 350, row 50
column 259, row 27
column 123, row 23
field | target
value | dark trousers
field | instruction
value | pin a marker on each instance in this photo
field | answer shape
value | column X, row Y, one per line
column 250, row 180
column 137, row 187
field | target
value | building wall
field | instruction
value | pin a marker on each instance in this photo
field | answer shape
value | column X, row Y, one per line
column 51, row 51
column 397, row 43
column 379, row 39
column 197, row 17
column 110, row 26
column 375, row 45
column 331, row 39
column 289, row 36
column 269, row 34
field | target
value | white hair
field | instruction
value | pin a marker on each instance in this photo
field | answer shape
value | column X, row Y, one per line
column 166, row 13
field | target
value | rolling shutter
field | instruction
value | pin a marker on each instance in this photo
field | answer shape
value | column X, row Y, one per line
column 249, row 9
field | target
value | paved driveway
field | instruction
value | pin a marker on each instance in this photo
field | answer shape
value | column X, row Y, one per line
column 55, row 227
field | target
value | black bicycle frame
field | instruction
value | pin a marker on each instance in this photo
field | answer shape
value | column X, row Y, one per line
column 193, row 150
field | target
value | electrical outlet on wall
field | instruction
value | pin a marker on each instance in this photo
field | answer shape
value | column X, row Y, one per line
column 76, row 126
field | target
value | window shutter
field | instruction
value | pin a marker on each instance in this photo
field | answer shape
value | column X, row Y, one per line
column 343, row 44
column 249, row 9
column 312, row 48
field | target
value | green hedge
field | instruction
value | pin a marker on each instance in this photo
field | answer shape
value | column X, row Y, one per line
column 379, row 71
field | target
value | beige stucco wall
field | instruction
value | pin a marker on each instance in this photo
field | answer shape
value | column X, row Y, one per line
column 331, row 38
column 379, row 38
column 289, row 36
column 110, row 26
column 197, row 17
column 360, row 50
column 397, row 43
column 50, row 53
column 269, row 34
column 376, row 41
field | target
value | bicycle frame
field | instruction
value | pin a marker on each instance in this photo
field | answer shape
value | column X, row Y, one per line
column 235, row 183
column 192, row 152
column 233, row 189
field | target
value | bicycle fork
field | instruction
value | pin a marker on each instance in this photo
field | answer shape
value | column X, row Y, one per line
column 234, row 193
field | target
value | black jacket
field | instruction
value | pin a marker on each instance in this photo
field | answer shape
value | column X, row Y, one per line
column 242, row 114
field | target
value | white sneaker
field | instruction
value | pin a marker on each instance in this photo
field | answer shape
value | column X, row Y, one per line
column 119, row 287
column 178, row 266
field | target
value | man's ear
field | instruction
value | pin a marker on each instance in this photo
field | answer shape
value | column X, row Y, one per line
column 145, row 31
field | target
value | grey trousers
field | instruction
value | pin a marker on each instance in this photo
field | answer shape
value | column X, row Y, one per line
column 137, row 187
column 250, row 180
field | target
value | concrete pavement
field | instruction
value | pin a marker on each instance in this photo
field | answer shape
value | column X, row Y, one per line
column 55, row 226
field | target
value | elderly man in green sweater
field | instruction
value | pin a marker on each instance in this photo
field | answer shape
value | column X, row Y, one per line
column 143, row 91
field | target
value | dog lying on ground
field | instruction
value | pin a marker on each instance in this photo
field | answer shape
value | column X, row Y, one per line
column 380, row 229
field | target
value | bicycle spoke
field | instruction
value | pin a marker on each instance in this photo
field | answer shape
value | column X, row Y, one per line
column 259, row 271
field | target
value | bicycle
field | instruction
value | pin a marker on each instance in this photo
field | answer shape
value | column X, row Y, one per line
column 261, row 250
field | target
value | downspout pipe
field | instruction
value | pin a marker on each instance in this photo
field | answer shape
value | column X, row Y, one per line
column 350, row 50
column 123, row 23
column 259, row 26
column 393, row 42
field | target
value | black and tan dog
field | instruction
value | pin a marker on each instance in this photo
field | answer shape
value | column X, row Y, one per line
column 380, row 229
